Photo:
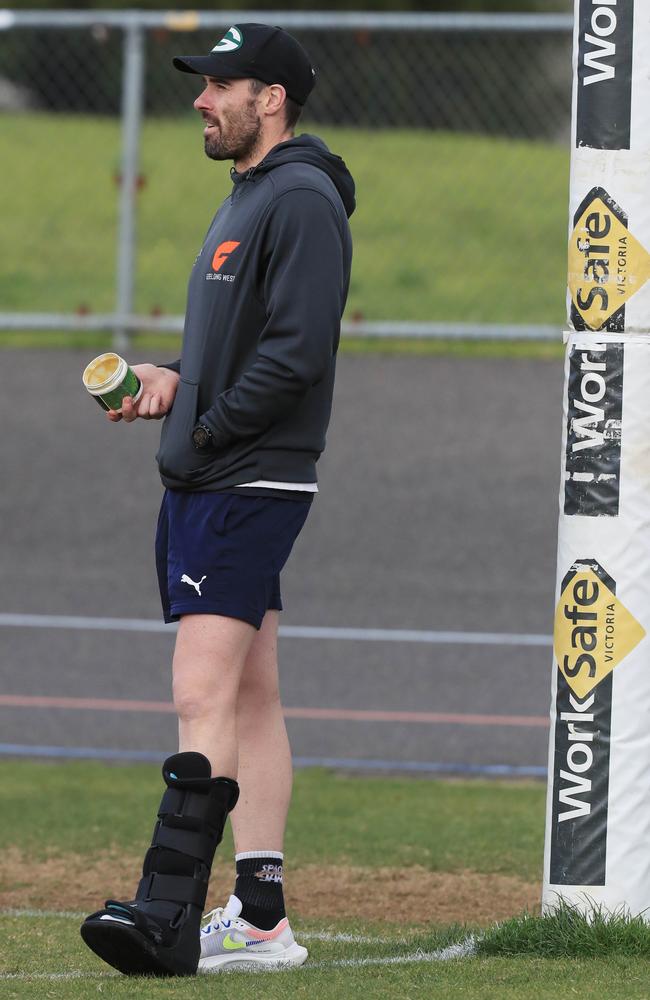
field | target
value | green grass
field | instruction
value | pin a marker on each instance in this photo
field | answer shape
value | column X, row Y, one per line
column 569, row 933
column 448, row 227
column 418, row 347
column 473, row 979
column 76, row 809
column 615, row 978
column 451, row 825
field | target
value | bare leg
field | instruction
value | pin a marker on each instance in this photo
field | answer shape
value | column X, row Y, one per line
column 146, row 936
column 209, row 657
column 265, row 771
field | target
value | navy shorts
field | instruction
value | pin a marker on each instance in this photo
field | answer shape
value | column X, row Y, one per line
column 221, row 553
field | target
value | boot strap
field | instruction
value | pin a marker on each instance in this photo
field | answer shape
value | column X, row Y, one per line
column 190, row 842
column 173, row 888
column 184, row 809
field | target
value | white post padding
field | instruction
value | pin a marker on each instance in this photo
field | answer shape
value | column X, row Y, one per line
column 597, row 847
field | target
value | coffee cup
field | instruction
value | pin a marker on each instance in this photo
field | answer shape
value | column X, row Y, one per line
column 109, row 379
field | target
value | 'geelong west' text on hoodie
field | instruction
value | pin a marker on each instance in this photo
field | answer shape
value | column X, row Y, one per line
column 262, row 326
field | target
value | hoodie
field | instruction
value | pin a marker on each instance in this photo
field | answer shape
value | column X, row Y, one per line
column 262, row 325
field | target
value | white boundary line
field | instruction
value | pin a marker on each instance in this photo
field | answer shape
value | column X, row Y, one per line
column 56, row 976
column 344, row 938
column 464, row 949
column 79, row 622
column 65, row 914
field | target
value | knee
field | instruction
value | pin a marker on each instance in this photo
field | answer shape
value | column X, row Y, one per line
column 188, row 704
column 196, row 700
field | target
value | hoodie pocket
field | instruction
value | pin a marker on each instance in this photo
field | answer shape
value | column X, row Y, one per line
column 177, row 457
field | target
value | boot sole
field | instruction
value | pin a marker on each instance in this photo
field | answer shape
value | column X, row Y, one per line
column 130, row 952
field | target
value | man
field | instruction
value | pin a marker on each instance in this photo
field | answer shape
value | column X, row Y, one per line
column 246, row 410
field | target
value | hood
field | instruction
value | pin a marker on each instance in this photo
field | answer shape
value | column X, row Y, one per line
column 307, row 149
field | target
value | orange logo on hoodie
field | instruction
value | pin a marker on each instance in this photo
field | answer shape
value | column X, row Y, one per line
column 222, row 253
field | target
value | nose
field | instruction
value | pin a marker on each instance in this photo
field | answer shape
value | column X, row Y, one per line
column 201, row 103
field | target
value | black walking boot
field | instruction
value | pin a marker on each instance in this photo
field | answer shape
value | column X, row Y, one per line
column 158, row 933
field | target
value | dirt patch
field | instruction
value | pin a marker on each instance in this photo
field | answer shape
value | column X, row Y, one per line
column 413, row 894
column 325, row 892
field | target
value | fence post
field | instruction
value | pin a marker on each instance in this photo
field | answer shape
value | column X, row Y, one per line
column 132, row 101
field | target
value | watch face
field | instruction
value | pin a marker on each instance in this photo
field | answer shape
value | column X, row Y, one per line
column 201, row 437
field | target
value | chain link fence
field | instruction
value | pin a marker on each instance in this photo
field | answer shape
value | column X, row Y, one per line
column 456, row 128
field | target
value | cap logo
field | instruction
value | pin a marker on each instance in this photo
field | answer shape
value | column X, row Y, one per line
column 231, row 40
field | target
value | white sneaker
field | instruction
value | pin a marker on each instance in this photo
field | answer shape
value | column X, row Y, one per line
column 228, row 942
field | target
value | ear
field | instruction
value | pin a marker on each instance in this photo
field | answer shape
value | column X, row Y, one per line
column 274, row 98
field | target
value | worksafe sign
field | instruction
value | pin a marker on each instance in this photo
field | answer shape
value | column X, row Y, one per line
column 605, row 58
column 607, row 265
column 594, row 631
column 594, row 404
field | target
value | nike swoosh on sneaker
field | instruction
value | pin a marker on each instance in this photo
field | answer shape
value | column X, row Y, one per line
column 231, row 945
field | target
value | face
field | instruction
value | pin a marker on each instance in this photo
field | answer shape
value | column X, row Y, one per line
column 233, row 124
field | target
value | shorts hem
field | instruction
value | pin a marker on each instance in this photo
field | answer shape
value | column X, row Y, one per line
column 228, row 611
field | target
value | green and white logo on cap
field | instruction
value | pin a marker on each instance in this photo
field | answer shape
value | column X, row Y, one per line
column 232, row 40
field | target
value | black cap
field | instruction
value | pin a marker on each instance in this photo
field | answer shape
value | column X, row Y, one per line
column 259, row 51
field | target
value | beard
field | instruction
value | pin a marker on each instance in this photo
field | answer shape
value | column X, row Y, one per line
column 237, row 136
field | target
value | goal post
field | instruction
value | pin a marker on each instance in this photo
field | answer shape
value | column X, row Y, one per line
column 597, row 848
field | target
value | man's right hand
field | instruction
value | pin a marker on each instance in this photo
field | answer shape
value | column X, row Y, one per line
column 158, row 392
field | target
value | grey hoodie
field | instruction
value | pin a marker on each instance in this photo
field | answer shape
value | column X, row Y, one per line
column 265, row 300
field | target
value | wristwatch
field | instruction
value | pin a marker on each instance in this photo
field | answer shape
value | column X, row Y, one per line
column 202, row 437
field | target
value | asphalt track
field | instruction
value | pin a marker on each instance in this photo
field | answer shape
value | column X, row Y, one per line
column 432, row 543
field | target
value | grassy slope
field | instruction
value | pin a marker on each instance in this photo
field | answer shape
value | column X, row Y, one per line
column 448, row 227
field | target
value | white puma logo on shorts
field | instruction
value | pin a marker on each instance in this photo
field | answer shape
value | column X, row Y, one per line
column 197, row 586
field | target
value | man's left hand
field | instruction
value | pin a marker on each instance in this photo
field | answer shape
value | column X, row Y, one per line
column 158, row 391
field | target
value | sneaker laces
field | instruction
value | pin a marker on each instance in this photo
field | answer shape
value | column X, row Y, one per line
column 221, row 915
column 213, row 920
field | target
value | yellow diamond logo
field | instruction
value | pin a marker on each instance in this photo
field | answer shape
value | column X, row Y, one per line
column 594, row 631
column 607, row 264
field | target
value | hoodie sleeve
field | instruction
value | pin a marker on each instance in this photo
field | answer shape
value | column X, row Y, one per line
column 304, row 293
